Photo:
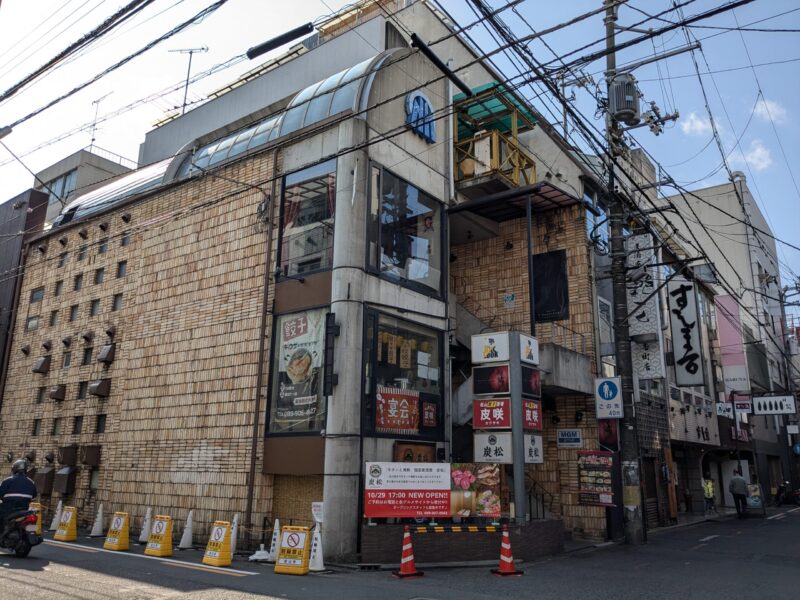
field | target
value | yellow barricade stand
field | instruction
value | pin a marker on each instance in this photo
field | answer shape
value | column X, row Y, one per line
column 294, row 550
column 68, row 526
column 118, row 533
column 37, row 508
column 160, row 541
column 218, row 550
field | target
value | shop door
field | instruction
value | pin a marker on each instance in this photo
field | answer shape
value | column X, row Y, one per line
column 650, row 493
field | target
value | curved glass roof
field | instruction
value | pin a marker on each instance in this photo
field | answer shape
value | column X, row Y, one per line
column 132, row 183
column 317, row 102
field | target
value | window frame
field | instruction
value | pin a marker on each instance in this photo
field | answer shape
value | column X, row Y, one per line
column 122, row 269
column 58, row 288
column 99, row 275
column 102, row 245
column 32, row 323
column 77, row 282
column 114, row 298
column 125, row 239
column 94, row 307
column 37, row 295
column 83, row 390
column 87, row 352
column 421, row 288
column 282, row 213
column 73, row 312
column 98, row 421
column 56, row 426
column 77, row 424
column 37, row 427
column 82, row 252
column 66, row 359
column 369, row 388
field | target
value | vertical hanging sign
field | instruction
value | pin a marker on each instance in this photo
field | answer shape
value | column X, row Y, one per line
column 685, row 328
column 643, row 324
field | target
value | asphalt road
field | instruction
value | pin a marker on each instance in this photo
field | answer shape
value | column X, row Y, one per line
column 727, row 559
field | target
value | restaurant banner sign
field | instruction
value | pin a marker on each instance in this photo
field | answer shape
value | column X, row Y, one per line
column 394, row 489
column 532, row 415
column 397, row 411
column 685, row 332
column 429, row 490
column 299, row 378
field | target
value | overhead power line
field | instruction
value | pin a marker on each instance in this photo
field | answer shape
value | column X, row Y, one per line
column 111, row 23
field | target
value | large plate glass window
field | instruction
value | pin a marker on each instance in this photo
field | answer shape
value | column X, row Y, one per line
column 309, row 205
column 403, row 379
column 405, row 232
column 297, row 404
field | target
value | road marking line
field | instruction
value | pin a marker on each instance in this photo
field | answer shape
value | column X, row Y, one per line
column 707, row 538
column 207, row 569
column 793, row 509
column 778, row 516
column 697, row 547
column 164, row 560
column 71, row 547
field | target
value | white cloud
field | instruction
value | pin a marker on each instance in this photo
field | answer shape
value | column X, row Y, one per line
column 758, row 156
column 694, row 125
column 769, row 108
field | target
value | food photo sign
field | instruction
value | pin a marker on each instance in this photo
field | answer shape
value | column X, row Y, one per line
column 427, row 490
column 594, row 477
column 301, row 351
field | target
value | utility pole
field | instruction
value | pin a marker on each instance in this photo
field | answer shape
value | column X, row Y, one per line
column 190, row 52
column 633, row 514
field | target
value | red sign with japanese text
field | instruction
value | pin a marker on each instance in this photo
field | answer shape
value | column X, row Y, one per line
column 491, row 413
column 407, row 490
column 532, row 415
column 397, row 411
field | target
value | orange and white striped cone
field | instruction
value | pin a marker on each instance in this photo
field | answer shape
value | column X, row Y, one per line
column 407, row 566
column 506, row 567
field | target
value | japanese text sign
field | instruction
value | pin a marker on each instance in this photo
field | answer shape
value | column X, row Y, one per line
column 534, row 451
column 608, row 397
column 397, row 411
column 685, row 332
column 491, row 413
column 493, row 448
column 395, row 489
column 532, row 415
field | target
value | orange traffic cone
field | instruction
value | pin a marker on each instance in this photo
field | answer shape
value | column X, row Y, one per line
column 407, row 566
column 506, row 567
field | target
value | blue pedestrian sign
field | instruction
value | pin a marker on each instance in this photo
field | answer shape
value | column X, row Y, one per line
column 608, row 398
column 796, row 449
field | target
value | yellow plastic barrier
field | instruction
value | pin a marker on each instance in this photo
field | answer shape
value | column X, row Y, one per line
column 293, row 551
column 118, row 533
column 68, row 526
column 218, row 550
column 160, row 541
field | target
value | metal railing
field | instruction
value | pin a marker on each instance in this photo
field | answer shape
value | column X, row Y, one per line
column 563, row 334
column 492, row 153
column 540, row 503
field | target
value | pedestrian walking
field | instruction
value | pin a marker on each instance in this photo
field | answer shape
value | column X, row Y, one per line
column 709, row 494
column 738, row 488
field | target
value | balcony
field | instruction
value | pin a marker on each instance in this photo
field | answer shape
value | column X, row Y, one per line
column 490, row 162
column 488, row 157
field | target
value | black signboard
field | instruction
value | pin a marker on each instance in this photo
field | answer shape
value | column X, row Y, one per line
column 550, row 287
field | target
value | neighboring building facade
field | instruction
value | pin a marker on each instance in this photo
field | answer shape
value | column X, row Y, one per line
column 748, row 312
column 78, row 174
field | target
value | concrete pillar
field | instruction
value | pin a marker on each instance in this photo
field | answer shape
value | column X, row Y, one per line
column 342, row 480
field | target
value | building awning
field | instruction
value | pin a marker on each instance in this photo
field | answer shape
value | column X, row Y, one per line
column 508, row 205
column 491, row 107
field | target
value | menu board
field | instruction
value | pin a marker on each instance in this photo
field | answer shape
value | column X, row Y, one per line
column 594, row 477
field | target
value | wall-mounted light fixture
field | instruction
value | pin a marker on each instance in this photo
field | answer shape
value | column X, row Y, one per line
column 578, row 416
column 83, row 233
column 126, row 217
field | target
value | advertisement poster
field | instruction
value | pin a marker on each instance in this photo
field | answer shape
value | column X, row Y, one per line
column 532, row 415
column 531, row 382
column 594, row 477
column 475, row 490
column 407, row 489
column 426, row 490
column 397, row 411
column 429, row 414
column 491, row 413
column 490, row 347
column 298, row 392
column 490, row 380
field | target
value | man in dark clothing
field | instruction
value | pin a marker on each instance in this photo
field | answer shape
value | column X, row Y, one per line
column 16, row 492
column 738, row 488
